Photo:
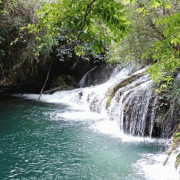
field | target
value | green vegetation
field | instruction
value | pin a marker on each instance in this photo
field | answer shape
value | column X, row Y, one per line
column 141, row 32
column 95, row 22
column 175, row 145
column 154, row 41
column 63, row 81
column 17, row 49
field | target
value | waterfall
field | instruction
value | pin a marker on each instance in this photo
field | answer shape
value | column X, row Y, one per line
column 133, row 104
column 131, row 107
column 130, row 96
column 127, row 98
column 83, row 80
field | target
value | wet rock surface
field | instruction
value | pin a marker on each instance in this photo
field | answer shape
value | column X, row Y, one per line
column 100, row 74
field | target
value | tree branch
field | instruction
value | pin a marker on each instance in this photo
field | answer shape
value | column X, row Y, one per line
column 45, row 80
column 86, row 14
column 153, row 26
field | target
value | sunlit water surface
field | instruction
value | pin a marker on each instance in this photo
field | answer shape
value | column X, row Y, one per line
column 40, row 140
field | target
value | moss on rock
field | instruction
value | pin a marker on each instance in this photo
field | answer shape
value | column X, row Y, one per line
column 122, row 84
column 65, row 81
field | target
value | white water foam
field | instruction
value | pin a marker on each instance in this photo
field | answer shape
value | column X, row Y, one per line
column 83, row 115
column 74, row 116
column 79, row 96
column 151, row 167
column 112, row 128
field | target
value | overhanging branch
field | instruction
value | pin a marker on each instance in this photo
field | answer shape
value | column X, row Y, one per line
column 85, row 16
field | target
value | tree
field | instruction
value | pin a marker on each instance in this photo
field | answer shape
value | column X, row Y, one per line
column 155, row 39
column 165, row 52
column 94, row 21
column 17, row 48
column 143, row 34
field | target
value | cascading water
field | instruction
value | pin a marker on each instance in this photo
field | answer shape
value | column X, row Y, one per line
column 82, row 81
column 131, row 105
column 127, row 104
column 127, row 98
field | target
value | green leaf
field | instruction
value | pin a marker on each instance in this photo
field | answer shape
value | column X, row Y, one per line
column 168, row 5
column 79, row 50
column 14, row 42
column 37, row 54
column 177, row 135
column 38, row 38
column 177, row 162
column 155, row 3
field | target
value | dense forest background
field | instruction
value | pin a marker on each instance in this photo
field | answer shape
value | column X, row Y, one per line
column 24, row 66
column 74, row 36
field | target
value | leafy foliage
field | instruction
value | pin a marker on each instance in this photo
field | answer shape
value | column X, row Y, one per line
column 16, row 47
column 175, row 145
column 165, row 53
column 144, row 33
column 155, row 39
column 93, row 21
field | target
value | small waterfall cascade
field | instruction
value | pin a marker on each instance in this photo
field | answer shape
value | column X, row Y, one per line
column 82, row 81
column 127, row 97
column 133, row 107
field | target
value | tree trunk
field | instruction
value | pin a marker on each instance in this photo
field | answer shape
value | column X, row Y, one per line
column 53, row 90
column 45, row 81
column 168, row 156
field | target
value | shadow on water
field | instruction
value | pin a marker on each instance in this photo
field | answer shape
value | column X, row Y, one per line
column 19, row 113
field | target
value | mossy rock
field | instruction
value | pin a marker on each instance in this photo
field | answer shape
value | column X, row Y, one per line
column 126, row 82
column 176, row 144
column 58, row 81
column 108, row 103
column 122, row 84
column 63, row 80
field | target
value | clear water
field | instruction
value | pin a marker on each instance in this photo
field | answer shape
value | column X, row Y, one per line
column 40, row 140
